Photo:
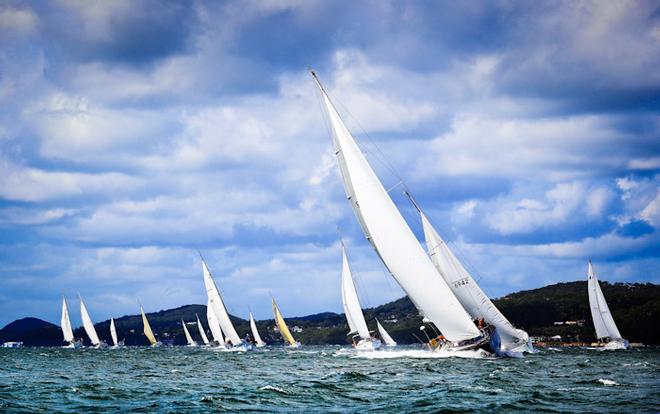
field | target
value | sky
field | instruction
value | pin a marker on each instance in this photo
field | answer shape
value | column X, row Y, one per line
column 134, row 134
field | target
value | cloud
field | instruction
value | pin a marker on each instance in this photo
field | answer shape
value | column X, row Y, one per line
column 15, row 20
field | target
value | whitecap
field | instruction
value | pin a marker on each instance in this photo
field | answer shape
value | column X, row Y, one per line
column 272, row 388
column 423, row 354
column 607, row 382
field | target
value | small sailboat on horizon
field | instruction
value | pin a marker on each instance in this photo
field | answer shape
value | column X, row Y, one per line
column 67, row 330
column 604, row 324
column 148, row 332
column 284, row 330
column 113, row 334
column 362, row 339
column 258, row 342
column 200, row 328
column 88, row 325
column 189, row 339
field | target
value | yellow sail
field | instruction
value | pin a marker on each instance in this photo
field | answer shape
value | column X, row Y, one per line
column 147, row 329
column 281, row 325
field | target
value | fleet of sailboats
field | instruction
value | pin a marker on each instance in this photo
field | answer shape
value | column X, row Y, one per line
column 437, row 282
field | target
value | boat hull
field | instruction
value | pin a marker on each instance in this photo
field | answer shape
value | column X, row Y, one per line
column 615, row 345
column 368, row 345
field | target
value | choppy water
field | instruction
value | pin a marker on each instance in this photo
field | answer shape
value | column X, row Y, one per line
column 324, row 379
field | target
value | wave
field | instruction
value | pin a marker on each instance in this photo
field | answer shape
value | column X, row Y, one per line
column 421, row 354
column 607, row 382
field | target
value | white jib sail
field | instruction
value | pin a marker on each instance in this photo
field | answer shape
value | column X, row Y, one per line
column 67, row 330
column 219, row 308
column 600, row 312
column 88, row 324
column 468, row 293
column 389, row 341
column 189, row 338
column 392, row 239
column 214, row 326
column 200, row 327
column 350, row 301
column 255, row 332
column 113, row 332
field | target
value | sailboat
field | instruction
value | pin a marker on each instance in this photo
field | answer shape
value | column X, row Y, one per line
column 214, row 326
column 189, row 339
column 284, row 330
column 362, row 340
column 89, row 325
column 205, row 339
column 384, row 336
column 220, row 310
column 603, row 322
column 113, row 335
column 147, row 330
column 469, row 294
column 67, row 330
column 255, row 333
column 397, row 246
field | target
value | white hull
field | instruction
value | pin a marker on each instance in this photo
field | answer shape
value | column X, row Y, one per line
column 368, row 345
column 616, row 345
column 239, row 348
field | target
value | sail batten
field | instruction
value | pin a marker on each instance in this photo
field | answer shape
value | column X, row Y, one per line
column 200, row 327
column 255, row 332
column 147, row 328
column 281, row 325
column 600, row 312
column 88, row 324
column 467, row 291
column 351, row 302
column 67, row 330
column 391, row 237
column 218, row 306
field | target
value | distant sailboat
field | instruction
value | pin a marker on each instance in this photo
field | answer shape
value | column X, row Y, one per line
column 220, row 310
column 89, row 325
column 397, row 246
column 147, row 330
column 67, row 330
column 284, row 330
column 353, row 310
column 214, row 326
column 384, row 335
column 468, row 292
column 205, row 339
column 255, row 333
column 189, row 339
column 113, row 334
column 600, row 312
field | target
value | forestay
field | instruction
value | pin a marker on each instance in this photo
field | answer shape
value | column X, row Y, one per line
column 88, row 324
column 214, row 326
column 219, row 308
column 466, row 289
column 67, row 330
column 391, row 237
column 350, row 300
column 200, row 327
column 384, row 335
column 255, row 332
column 600, row 312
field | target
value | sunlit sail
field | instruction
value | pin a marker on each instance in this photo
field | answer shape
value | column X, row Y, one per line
column 284, row 330
column 601, row 315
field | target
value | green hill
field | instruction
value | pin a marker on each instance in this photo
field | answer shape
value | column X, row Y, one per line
column 635, row 307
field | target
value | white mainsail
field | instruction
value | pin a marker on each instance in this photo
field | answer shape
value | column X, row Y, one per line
column 350, row 301
column 67, row 330
column 88, row 324
column 600, row 312
column 214, row 326
column 189, row 338
column 255, row 332
column 219, row 308
column 113, row 332
column 384, row 335
column 468, row 293
column 391, row 237
column 200, row 327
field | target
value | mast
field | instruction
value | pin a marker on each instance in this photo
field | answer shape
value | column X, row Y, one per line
column 200, row 327
column 391, row 237
column 218, row 306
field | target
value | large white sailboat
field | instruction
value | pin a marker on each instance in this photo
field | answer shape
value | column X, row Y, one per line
column 284, row 330
column 259, row 343
column 189, row 339
column 468, row 292
column 89, row 325
column 397, row 246
column 214, row 326
column 362, row 340
column 200, row 328
column 67, row 330
column 148, row 332
column 603, row 322
column 384, row 336
column 232, row 340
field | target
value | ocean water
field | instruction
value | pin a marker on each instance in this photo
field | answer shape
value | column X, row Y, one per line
column 325, row 379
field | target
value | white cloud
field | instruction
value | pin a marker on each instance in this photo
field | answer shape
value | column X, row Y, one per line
column 15, row 20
